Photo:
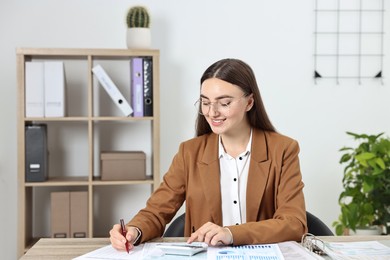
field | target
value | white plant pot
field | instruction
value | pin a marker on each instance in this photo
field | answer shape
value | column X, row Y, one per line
column 369, row 231
column 139, row 38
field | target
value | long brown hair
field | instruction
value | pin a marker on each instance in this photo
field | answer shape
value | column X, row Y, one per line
column 240, row 74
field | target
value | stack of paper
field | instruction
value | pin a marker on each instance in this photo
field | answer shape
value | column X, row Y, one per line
column 362, row 250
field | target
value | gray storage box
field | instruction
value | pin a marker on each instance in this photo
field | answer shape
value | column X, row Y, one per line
column 121, row 166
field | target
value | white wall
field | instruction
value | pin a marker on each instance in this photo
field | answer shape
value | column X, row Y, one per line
column 274, row 37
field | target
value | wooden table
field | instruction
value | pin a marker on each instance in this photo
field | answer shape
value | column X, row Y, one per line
column 63, row 248
column 69, row 248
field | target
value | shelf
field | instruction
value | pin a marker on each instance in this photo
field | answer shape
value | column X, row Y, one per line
column 83, row 181
column 86, row 119
column 105, row 118
column 98, row 182
column 83, row 53
column 93, row 124
column 60, row 181
column 55, row 119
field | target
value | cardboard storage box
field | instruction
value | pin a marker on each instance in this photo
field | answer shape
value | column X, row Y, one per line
column 120, row 166
column 78, row 214
column 69, row 214
column 60, row 218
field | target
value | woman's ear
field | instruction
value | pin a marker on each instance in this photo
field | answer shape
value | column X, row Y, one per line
column 250, row 103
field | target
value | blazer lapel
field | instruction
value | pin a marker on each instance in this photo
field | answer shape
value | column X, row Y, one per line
column 210, row 175
column 258, row 175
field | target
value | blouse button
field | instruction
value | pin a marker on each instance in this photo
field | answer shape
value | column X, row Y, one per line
column 235, row 202
column 235, row 179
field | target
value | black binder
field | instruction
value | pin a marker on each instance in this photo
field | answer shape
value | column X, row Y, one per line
column 36, row 153
column 148, row 86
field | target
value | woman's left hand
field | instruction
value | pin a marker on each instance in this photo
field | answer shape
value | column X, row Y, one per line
column 212, row 234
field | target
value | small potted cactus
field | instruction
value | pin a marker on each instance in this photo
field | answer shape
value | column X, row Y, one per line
column 138, row 32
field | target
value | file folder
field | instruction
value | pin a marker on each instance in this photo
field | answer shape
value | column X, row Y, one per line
column 137, row 86
column 69, row 214
column 148, row 86
column 78, row 214
column 54, row 79
column 112, row 90
column 36, row 154
column 34, row 89
column 60, row 218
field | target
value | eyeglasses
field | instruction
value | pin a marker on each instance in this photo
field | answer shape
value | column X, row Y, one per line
column 222, row 105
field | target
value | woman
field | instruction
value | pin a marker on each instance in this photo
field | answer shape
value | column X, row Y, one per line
column 240, row 179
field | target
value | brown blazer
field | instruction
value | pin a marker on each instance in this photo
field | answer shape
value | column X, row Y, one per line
column 275, row 201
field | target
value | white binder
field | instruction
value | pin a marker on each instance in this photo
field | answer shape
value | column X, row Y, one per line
column 112, row 90
column 54, row 89
column 34, row 89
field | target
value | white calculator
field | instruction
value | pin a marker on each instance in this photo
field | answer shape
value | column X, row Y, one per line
column 182, row 248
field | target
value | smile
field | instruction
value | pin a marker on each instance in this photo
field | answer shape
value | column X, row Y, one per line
column 217, row 122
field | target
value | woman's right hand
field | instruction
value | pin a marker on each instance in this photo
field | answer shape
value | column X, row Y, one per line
column 118, row 241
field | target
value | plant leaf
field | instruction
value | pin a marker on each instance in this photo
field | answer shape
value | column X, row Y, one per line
column 367, row 187
column 364, row 156
column 380, row 163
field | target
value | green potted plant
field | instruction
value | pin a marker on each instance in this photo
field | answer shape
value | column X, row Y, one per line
column 365, row 200
column 138, row 28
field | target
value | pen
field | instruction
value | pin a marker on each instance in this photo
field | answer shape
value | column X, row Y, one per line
column 124, row 232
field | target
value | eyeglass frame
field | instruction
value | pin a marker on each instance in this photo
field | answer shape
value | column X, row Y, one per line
column 198, row 104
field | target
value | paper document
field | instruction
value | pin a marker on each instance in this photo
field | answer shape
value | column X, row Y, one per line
column 108, row 252
column 253, row 252
column 362, row 250
column 282, row 251
column 144, row 251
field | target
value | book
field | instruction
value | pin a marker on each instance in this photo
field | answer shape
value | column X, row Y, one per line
column 148, row 86
column 112, row 90
column 34, row 87
column 137, row 86
column 54, row 89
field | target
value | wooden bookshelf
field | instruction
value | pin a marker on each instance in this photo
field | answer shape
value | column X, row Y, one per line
column 85, row 122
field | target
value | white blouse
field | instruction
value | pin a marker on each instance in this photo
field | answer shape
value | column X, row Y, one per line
column 234, row 177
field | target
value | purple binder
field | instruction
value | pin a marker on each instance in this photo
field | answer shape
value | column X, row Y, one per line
column 137, row 89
